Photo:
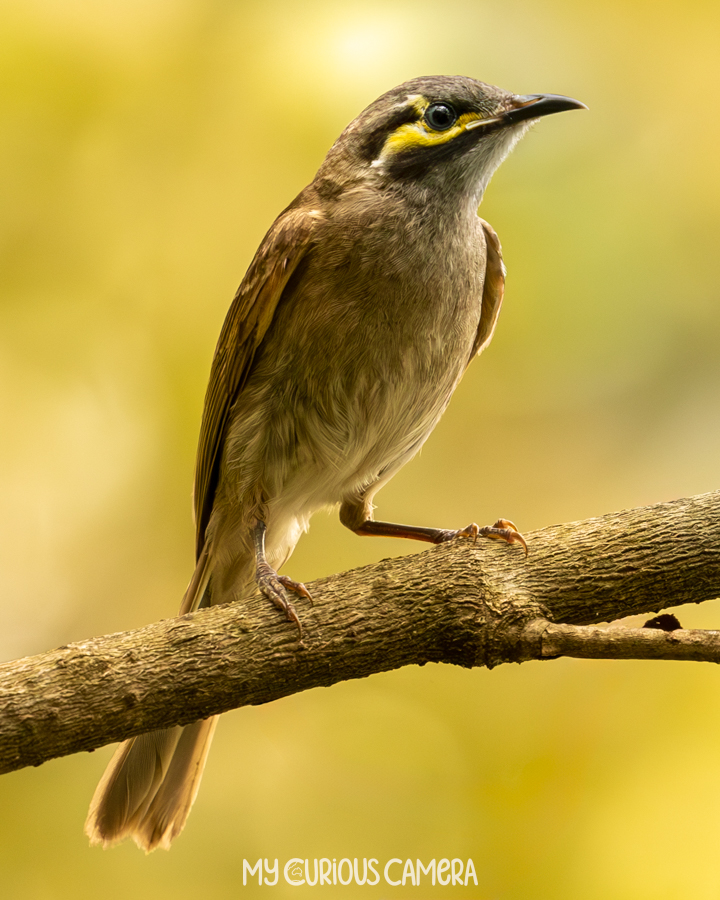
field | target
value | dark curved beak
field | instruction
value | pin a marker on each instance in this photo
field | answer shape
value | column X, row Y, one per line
column 524, row 107
column 533, row 106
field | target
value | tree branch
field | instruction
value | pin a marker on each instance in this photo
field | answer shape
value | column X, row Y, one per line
column 462, row 603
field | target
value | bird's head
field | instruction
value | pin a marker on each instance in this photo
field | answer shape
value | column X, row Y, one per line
column 436, row 133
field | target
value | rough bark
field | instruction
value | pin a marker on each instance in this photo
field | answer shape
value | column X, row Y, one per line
column 462, row 603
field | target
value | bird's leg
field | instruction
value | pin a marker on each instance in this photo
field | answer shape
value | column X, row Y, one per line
column 354, row 516
column 272, row 585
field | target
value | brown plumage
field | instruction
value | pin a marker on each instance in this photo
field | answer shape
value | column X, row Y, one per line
column 358, row 316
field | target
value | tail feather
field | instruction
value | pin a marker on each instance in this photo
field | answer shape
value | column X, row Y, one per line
column 165, row 816
column 149, row 786
column 131, row 780
column 152, row 780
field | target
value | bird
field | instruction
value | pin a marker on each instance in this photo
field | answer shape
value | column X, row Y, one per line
column 364, row 305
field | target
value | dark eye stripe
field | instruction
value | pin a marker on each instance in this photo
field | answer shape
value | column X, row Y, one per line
column 375, row 141
column 414, row 161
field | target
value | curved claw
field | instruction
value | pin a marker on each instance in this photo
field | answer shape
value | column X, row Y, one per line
column 505, row 530
column 296, row 586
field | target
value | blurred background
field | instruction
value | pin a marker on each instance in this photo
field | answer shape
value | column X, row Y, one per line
column 145, row 148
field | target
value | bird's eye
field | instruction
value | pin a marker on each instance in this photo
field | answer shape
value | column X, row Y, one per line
column 440, row 116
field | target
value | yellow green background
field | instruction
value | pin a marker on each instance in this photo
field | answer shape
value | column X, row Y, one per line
column 145, row 147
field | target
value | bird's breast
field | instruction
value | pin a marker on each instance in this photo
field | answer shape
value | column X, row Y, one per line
column 364, row 352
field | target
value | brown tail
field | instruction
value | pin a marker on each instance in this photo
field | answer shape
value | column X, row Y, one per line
column 149, row 786
column 152, row 780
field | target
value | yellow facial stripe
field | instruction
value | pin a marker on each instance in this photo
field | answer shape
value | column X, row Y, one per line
column 420, row 134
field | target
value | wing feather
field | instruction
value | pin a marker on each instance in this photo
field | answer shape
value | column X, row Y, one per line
column 247, row 321
column 493, row 290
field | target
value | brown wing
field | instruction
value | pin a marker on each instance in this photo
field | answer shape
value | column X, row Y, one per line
column 493, row 290
column 247, row 321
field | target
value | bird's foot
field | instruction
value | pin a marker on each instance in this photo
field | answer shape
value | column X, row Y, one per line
column 275, row 588
column 502, row 530
column 272, row 585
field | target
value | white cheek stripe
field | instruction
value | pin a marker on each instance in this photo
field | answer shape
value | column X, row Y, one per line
column 477, row 123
